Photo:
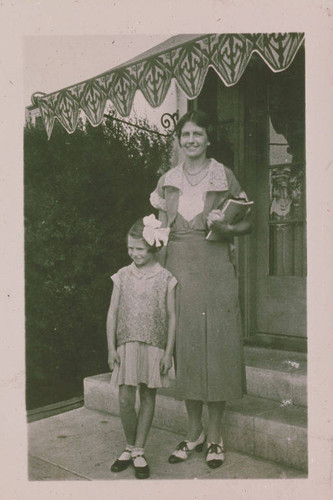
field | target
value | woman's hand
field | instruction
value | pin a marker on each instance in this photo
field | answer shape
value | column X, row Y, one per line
column 222, row 228
column 165, row 364
column 214, row 215
column 113, row 359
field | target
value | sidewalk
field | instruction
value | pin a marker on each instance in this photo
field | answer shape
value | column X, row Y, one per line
column 82, row 444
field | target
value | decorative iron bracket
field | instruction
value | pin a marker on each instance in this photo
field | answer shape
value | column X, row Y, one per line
column 167, row 120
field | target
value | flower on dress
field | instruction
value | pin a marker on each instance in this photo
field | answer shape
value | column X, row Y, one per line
column 153, row 233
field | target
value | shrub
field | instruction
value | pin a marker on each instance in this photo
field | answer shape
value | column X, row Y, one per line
column 82, row 193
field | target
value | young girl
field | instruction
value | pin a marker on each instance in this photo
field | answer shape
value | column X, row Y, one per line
column 141, row 335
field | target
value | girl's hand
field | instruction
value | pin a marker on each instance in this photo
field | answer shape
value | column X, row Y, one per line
column 214, row 215
column 165, row 364
column 113, row 359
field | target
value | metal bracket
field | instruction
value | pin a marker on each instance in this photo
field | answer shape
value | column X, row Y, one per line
column 167, row 120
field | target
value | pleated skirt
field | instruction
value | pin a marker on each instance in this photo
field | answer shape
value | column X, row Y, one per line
column 140, row 364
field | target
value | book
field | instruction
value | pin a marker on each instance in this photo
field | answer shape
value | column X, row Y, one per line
column 232, row 212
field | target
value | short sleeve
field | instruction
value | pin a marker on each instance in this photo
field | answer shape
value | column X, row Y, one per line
column 157, row 198
column 116, row 279
column 172, row 283
column 235, row 190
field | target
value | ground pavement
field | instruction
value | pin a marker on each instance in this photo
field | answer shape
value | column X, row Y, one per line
column 82, row 444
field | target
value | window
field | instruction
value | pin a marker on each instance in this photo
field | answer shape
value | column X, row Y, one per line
column 286, row 174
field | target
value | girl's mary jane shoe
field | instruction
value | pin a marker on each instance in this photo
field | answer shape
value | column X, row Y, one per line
column 184, row 449
column 141, row 467
column 215, row 455
column 123, row 462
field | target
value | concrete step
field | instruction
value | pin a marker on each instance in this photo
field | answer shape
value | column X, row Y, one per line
column 277, row 375
column 270, row 374
column 256, row 426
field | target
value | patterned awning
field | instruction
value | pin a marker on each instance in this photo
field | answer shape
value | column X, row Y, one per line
column 186, row 58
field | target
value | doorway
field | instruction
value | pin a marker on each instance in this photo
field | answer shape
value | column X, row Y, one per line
column 260, row 135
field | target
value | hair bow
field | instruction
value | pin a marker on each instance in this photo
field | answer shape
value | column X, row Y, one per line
column 153, row 233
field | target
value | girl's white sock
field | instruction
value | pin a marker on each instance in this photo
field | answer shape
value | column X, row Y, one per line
column 127, row 453
column 137, row 456
column 137, row 451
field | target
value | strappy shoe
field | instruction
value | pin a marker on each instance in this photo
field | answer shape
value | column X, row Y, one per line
column 184, row 449
column 141, row 467
column 215, row 455
column 123, row 462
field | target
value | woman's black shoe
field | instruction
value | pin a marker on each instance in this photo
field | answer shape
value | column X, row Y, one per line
column 185, row 448
column 215, row 455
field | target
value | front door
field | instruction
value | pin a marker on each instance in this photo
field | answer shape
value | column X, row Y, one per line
column 260, row 135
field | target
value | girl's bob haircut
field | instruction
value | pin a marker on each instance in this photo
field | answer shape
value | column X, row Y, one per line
column 136, row 232
column 199, row 118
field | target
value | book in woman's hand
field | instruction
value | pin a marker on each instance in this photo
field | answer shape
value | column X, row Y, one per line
column 232, row 212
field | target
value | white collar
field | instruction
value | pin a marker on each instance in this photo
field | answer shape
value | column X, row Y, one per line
column 152, row 271
column 217, row 177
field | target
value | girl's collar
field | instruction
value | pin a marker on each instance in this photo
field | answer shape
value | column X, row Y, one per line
column 149, row 273
column 217, row 177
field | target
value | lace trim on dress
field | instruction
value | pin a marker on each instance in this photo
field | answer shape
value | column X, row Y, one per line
column 217, row 177
column 174, row 177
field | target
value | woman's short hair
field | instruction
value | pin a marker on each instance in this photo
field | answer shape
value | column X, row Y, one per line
column 136, row 232
column 199, row 118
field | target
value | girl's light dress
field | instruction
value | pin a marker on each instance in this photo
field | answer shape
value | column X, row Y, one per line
column 142, row 325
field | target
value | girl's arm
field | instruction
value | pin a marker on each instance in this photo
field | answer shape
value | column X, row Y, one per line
column 111, row 326
column 166, row 361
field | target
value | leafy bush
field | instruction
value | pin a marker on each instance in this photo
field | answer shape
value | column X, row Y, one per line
column 82, row 193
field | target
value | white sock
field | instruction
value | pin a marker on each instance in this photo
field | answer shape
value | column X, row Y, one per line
column 127, row 453
column 137, row 451
column 137, row 456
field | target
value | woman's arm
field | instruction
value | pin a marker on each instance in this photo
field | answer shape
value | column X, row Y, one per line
column 242, row 227
column 163, row 217
column 111, row 327
column 162, row 254
column 229, row 230
column 166, row 361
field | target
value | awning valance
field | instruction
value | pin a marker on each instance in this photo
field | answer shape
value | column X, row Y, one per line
column 186, row 58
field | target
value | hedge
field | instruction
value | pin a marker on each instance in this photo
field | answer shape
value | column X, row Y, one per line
column 82, row 193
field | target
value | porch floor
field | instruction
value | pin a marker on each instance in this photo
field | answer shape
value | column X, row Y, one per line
column 81, row 445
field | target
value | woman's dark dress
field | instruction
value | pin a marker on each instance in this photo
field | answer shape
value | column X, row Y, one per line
column 209, row 355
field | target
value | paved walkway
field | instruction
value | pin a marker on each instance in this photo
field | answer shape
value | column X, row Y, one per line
column 81, row 445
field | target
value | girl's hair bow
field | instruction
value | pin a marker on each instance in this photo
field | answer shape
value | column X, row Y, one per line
column 153, row 233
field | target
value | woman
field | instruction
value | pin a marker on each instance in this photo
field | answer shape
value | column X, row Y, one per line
column 208, row 339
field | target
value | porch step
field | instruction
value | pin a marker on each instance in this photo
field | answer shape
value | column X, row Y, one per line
column 277, row 375
column 271, row 374
column 253, row 425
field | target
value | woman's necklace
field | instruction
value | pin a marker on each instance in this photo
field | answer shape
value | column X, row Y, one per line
column 188, row 171
column 195, row 173
column 193, row 179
